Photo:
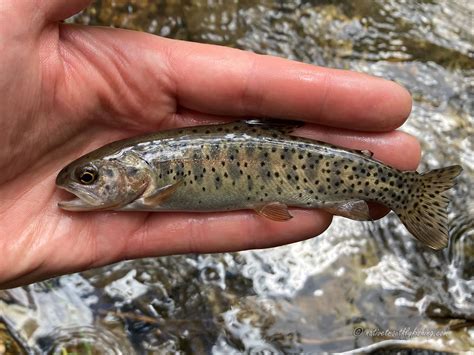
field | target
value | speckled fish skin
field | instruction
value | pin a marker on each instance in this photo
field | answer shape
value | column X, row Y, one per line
column 255, row 165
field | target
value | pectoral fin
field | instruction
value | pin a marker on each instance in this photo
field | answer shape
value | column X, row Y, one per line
column 160, row 195
column 279, row 125
column 355, row 209
column 276, row 211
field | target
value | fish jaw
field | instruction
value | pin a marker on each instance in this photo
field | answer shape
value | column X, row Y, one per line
column 82, row 202
column 74, row 205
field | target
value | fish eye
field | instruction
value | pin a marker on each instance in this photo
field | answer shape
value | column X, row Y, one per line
column 87, row 176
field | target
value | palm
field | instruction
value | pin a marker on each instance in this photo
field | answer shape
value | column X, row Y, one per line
column 79, row 88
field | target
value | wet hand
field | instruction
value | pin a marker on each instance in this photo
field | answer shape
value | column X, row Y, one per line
column 65, row 90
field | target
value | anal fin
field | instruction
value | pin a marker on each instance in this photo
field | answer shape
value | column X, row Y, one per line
column 275, row 211
column 355, row 209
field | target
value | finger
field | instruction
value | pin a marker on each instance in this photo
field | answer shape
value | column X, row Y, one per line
column 226, row 81
column 178, row 233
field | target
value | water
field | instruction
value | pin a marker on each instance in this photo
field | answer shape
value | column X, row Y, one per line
column 313, row 296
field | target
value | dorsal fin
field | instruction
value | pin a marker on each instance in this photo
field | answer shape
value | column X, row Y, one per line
column 282, row 126
column 367, row 153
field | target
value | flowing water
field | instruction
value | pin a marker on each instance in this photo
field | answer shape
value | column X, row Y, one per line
column 359, row 287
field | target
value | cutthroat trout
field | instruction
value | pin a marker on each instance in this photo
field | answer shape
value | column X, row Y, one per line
column 255, row 165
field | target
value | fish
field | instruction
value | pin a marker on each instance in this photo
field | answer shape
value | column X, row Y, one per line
column 257, row 165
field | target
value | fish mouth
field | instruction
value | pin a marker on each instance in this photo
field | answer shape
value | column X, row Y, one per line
column 79, row 203
column 75, row 205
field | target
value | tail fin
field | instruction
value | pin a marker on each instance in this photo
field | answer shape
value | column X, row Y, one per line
column 425, row 215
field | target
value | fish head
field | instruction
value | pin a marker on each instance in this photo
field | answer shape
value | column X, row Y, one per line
column 103, row 184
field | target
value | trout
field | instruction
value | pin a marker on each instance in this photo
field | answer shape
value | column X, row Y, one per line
column 256, row 165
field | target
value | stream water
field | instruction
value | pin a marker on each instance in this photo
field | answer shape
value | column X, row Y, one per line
column 361, row 286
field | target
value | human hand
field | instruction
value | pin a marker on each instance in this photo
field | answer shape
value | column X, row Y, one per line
column 65, row 90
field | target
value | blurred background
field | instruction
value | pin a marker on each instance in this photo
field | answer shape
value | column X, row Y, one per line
column 327, row 294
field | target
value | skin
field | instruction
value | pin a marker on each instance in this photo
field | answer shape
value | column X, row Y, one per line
column 65, row 90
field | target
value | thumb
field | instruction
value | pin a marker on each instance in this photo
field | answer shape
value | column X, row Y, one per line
column 26, row 17
column 41, row 10
column 57, row 10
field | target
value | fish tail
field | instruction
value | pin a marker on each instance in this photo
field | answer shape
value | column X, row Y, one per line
column 425, row 213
